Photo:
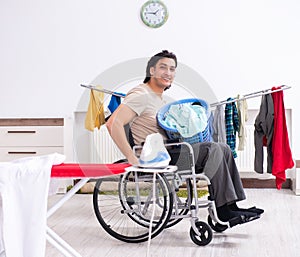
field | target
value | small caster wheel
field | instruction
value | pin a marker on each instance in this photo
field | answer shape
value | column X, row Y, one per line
column 205, row 234
column 216, row 226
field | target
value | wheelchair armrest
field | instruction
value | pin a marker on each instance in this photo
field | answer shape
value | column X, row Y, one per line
column 171, row 141
column 167, row 141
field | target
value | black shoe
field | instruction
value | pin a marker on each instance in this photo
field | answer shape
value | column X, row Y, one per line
column 225, row 214
column 234, row 207
column 256, row 210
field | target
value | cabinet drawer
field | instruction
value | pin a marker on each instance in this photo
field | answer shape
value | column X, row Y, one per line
column 31, row 136
column 12, row 153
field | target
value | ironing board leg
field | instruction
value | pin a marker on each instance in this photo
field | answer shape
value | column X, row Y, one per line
column 51, row 236
column 58, row 247
column 60, row 244
column 67, row 196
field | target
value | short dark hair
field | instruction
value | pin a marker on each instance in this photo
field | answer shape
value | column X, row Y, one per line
column 154, row 59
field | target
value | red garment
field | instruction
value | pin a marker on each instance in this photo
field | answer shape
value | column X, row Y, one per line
column 282, row 155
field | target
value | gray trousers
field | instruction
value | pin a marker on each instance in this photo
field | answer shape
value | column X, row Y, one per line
column 217, row 163
column 215, row 160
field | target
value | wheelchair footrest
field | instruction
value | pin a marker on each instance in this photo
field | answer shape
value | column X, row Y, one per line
column 242, row 219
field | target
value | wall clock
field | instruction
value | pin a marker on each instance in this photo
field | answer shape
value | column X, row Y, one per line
column 154, row 13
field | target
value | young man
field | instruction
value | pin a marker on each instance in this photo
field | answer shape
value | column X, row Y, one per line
column 139, row 109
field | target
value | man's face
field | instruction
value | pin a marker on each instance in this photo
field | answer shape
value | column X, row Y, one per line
column 164, row 72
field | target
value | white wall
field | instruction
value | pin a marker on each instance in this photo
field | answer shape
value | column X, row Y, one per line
column 48, row 48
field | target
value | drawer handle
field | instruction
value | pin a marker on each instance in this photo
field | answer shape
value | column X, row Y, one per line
column 21, row 131
column 20, row 152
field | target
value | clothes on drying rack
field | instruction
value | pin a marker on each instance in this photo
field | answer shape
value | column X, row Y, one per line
column 263, row 134
column 282, row 155
column 115, row 101
column 228, row 123
column 218, row 125
column 242, row 108
column 95, row 114
column 271, row 131
column 232, row 125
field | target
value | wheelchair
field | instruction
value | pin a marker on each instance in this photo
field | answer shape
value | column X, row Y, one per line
column 139, row 204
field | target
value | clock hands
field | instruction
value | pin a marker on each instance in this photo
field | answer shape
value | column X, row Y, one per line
column 154, row 13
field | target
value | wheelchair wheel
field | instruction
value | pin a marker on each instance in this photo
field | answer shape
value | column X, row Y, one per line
column 124, row 208
column 205, row 234
column 183, row 204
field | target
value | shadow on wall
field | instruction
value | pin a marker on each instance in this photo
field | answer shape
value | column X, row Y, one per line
column 121, row 78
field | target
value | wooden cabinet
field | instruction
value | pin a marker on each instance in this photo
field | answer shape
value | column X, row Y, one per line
column 29, row 137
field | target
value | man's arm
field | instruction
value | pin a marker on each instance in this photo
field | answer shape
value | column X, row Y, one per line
column 115, row 125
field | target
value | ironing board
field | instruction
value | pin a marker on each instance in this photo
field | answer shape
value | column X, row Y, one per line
column 84, row 172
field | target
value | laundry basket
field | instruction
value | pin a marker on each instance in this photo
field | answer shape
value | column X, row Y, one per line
column 173, row 133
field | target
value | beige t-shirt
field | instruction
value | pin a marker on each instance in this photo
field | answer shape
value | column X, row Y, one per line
column 145, row 103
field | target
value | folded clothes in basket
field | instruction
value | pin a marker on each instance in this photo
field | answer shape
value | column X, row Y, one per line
column 188, row 119
column 197, row 127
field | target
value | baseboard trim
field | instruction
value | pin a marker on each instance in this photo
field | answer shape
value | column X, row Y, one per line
column 264, row 183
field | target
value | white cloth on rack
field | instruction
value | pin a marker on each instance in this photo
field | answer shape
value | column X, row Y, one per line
column 242, row 107
column 24, row 185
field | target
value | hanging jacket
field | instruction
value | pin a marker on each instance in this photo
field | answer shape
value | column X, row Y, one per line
column 232, row 125
column 263, row 134
column 282, row 156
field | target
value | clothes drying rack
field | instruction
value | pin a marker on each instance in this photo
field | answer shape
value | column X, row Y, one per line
column 232, row 100
column 251, row 95
column 103, row 90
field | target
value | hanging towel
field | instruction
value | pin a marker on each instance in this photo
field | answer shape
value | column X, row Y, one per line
column 24, row 185
column 263, row 134
column 219, row 132
column 242, row 108
column 282, row 155
column 232, row 125
column 115, row 101
column 95, row 114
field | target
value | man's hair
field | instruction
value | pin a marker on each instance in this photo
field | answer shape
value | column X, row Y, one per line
column 154, row 59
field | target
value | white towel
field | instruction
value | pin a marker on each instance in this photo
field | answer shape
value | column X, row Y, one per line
column 24, row 185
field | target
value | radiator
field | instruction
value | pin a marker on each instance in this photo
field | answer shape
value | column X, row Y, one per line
column 103, row 148
column 245, row 159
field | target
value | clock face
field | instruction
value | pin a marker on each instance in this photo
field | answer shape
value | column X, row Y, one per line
column 154, row 13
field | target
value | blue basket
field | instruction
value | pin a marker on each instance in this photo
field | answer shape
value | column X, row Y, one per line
column 172, row 132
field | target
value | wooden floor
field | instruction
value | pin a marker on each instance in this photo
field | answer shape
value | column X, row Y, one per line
column 275, row 234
